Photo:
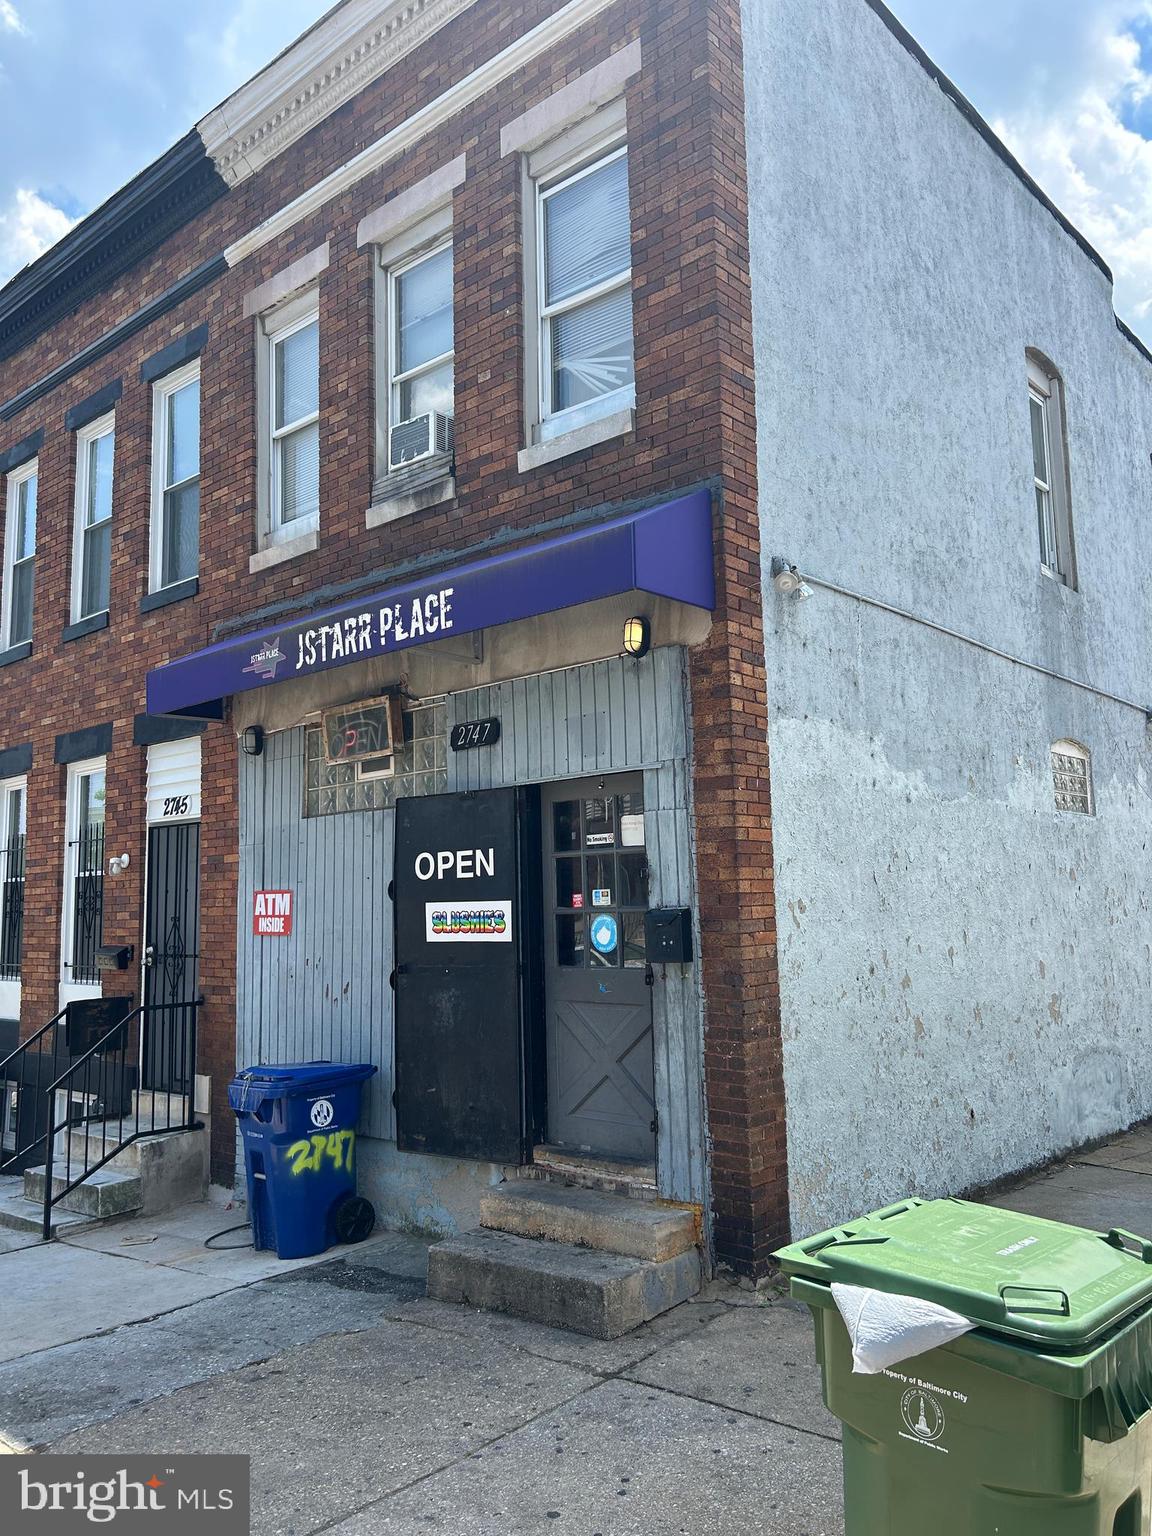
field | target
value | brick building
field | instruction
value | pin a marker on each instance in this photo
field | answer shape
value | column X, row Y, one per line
column 340, row 449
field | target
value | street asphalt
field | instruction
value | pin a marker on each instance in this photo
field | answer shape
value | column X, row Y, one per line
column 369, row 1410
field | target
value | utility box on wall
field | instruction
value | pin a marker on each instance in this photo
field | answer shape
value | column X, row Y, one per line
column 668, row 936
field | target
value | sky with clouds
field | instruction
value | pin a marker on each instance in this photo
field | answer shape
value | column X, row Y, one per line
column 91, row 92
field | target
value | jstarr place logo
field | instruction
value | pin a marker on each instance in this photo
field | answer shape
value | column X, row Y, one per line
column 57, row 1495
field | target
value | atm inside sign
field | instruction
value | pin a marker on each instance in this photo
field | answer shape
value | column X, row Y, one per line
column 271, row 914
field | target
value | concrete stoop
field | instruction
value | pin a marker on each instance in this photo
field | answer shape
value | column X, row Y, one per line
column 575, row 1258
column 557, row 1165
column 155, row 1173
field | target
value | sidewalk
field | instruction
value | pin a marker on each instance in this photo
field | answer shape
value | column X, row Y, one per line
column 370, row 1411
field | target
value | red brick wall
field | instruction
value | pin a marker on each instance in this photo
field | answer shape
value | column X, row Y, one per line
column 694, row 422
column 743, row 1060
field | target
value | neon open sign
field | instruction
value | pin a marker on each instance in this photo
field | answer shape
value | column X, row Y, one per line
column 361, row 730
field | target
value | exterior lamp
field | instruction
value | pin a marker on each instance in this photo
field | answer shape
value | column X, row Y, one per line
column 788, row 581
column 637, row 636
column 252, row 740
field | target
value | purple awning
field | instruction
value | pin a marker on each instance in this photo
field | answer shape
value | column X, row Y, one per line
column 665, row 551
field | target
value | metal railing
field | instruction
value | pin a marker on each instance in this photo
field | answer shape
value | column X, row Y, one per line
column 97, row 1089
column 94, row 1108
column 88, row 903
column 36, row 1067
column 11, row 907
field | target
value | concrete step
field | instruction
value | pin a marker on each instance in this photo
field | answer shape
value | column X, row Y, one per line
column 104, row 1136
column 168, row 1108
column 600, row 1294
column 19, row 1214
column 102, row 1194
column 556, row 1165
column 589, row 1218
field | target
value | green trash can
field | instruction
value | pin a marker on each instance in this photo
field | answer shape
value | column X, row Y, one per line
column 1035, row 1424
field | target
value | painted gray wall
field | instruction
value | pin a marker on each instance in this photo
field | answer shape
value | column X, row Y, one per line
column 325, row 992
column 965, row 971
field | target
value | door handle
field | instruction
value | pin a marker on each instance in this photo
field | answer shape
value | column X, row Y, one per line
column 149, row 954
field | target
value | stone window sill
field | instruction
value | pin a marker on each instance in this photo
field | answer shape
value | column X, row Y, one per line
column 290, row 549
column 16, row 653
column 87, row 626
column 176, row 593
column 619, row 424
column 389, row 508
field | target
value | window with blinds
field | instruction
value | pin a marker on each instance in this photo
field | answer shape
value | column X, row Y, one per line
column 422, row 337
column 584, row 266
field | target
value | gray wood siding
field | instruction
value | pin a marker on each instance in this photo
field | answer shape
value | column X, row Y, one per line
column 677, row 1001
column 607, row 717
column 325, row 991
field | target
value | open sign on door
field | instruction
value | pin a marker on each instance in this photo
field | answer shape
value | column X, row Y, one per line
column 271, row 914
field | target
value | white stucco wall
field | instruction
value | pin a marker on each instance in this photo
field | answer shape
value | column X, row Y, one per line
column 965, row 972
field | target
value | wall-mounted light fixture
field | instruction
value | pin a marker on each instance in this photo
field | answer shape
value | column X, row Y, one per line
column 788, row 581
column 119, row 863
column 252, row 740
column 637, row 636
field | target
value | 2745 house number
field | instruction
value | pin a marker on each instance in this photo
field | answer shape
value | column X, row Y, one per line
column 176, row 805
column 474, row 733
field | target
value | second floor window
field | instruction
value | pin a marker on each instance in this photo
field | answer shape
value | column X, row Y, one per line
column 92, row 560
column 294, row 458
column 1050, row 471
column 19, row 556
column 84, row 872
column 176, row 478
column 584, row 267
column 13, row 815
column 421, row 349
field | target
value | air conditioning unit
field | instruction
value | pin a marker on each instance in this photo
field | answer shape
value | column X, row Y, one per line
column 421, row 438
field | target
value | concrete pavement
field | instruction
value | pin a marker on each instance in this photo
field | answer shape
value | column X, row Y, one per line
column 369, row 1410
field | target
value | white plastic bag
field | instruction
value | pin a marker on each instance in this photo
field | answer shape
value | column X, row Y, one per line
column 886, row 1329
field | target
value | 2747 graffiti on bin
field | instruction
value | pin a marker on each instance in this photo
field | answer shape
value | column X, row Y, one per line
column 308, row 1156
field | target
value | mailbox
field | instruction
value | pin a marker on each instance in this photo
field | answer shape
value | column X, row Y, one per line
column 113, row 957
column 89, row 1019
column 668, row 936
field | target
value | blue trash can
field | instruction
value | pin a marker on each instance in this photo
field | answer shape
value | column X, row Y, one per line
column 298, row 1123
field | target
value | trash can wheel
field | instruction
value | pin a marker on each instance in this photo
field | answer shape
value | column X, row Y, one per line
column 353, row 1219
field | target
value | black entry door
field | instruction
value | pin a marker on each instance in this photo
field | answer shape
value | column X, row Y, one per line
column 461, row 1083
column 171, row 954
column 598, row 1016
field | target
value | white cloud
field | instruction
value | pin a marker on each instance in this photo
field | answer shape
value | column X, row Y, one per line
column 1097, row 169
column 1067, row 85
column 10, row 19
column 29, row 225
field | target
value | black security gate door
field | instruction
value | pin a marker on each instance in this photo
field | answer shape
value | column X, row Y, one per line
column 598, row 1021
column 460, row 981
column 171, row 953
